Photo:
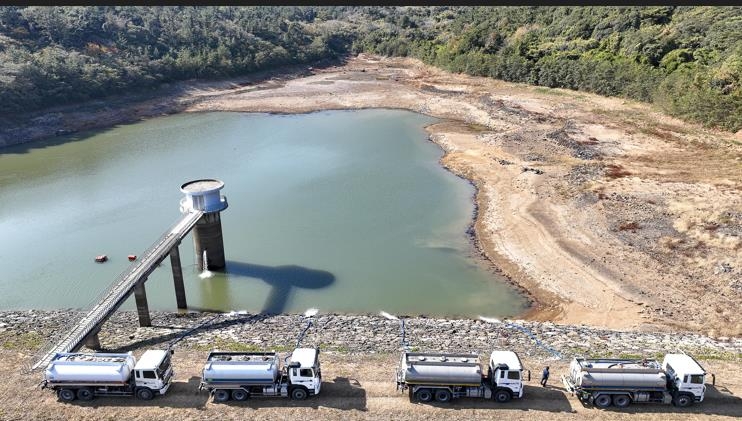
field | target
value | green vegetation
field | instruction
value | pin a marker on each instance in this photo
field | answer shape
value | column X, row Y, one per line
column 57, row 55
column 687, row 60
column 23, row 342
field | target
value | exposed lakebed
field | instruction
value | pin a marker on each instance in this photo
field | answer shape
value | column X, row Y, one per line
column 348, row 211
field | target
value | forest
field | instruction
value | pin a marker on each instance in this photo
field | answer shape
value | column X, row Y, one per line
column 686, row 60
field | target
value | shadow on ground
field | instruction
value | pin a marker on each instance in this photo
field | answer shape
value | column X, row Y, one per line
column 341, row 393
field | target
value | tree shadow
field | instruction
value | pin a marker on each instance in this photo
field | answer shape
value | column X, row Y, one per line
column 282, row 279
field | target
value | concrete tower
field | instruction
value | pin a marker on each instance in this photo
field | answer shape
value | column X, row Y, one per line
column 207, row 234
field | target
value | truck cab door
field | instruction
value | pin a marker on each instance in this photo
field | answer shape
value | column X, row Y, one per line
column 307, row 377
column 693, row 383
column 510, row 379
column 148, row 379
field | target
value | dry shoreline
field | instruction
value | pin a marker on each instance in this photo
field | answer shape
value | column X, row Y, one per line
column 606, row 212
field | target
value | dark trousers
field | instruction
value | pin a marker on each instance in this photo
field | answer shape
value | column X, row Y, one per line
column 543, row 381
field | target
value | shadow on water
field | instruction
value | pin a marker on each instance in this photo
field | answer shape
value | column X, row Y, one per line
column 282, row 279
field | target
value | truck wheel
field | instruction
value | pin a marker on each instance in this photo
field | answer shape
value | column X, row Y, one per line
column 683, row 400
column 602, row 401
column 502, row 396
column 621, row 401
column 424, row 395
column 299, row 394
column 221, row 395
column 85, row 394
column 66, row 395
column 442, row 395
column 239, row 395
column 145, row 394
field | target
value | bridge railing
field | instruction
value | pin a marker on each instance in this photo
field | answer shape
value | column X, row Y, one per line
column 107, row 300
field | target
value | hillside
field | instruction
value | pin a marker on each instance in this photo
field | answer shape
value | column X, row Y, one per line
column 687, row 60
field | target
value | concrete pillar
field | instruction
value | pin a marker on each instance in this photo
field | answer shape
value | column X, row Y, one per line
column 180, row 295
column 140, row 295
column 207, row 235
column 93, row 342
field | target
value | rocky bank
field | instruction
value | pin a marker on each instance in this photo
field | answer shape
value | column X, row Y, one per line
column 350, row 334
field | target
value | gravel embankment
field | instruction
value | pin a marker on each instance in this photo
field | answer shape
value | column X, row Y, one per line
column 366, row 334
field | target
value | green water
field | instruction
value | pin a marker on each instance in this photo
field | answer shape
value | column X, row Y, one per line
column 347, row 211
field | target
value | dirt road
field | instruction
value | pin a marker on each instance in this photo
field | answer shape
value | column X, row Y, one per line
column 356, row 387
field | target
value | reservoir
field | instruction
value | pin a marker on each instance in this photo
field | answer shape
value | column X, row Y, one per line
column 346, row 211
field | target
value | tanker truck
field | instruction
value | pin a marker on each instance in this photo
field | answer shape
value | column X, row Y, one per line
column 241, row 375
column 84, row 376
column 604, row 382
column 443, row 377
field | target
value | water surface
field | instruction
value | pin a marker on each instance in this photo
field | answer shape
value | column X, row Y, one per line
column 348, row 211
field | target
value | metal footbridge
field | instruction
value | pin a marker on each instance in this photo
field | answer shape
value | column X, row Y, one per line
column 114, row 296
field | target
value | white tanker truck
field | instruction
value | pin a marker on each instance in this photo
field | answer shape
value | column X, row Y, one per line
column 84, row 376
column 443, row 377
column 619, row 382
column 240, row 375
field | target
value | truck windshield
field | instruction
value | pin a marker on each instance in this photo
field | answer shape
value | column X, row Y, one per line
column 162, row 368
column 696, row 378
column 514, row 375
column 306, row 372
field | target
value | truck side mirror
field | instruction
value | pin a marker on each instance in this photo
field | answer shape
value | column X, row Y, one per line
column 529, row 375
column 172, row 352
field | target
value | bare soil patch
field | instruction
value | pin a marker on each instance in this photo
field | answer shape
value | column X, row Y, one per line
column 355, row 387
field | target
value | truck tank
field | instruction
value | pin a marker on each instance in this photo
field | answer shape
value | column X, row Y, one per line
column 90, row 368
column 443, row 369
column 241, row 367
column 599, row 373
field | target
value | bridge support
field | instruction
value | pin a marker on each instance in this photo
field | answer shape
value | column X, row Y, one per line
column 93, row 342
column 180, row 295
column 140, row 295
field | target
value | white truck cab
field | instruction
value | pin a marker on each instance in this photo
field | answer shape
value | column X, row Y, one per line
column 154, row 371
column 686, row 375
column 304, row 369
column 506, row 372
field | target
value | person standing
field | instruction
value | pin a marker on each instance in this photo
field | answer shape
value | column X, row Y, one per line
column 544, row 376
